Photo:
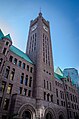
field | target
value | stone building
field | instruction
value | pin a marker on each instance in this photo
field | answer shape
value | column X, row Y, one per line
column 29, row 88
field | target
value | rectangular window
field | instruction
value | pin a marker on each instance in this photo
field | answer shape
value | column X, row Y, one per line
column 51, row 98
column 15, row 61
column 25, row 91
column 57, row 92
column 67, row 94
column 3, row 86
column 9, row 89
column 44, row 95
column 57, row 102
column 6, row 104
column 31, row 69
column 12, row 74
column 23, row 66
column 19, row 63
column 50, row 86
column 26, row 80
column 29, row 93
column 21, row 79
column 30, row 82
column 48, row 96
column 1, row 61
column 20, row 90
column 61, row 103
column 4, row 51
column 11, row 58
column 0, row 100
column 27, row 67
column 47, row 85
column 7, row 71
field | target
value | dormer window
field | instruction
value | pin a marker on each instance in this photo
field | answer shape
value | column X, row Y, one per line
column 7, row 43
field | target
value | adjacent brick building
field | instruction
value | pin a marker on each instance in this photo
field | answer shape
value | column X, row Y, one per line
column 29, row 88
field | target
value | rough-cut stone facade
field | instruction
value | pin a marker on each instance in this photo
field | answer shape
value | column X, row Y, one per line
column 29, row 89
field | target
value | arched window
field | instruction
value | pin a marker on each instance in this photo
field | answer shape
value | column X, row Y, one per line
column 26, row 115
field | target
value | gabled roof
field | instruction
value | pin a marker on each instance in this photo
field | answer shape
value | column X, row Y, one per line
column 8, row 37
column 1, row 34
column 57, row 76
column 20, row 54
column 59, row 71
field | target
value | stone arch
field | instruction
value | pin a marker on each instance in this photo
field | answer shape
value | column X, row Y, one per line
column 49, row 113
column 61, row 115
column 27, row 108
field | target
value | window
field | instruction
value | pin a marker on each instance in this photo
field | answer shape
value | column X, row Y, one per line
column 25, row 91
column 70, row 115
column 21, row 79
column 6, row 104
column 30, row 82
column 23, row 66
column 31, row 69
column 51, row 98
column 4, row 51
column 67, row 94
column 47, row 85
column 12, row 74
column 4, row 117
column 27, row 67
column 7, row 72
column 57, row 102
column 61, row 103
column 15, row 61
column 7, row 43
column 11, row 58
column 26, row 80
column 29, row 93
column 1, row 61
column 9, row 89
column 48, row 96
column 3, row 86
column 19, row 63
column 57, row 92
column 0, row 100
column 44, row 84
column 44, row 95
column 50, row 86
column 71, row 96
column 20, row 90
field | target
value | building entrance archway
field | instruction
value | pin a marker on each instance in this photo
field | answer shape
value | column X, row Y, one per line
column 26, row 115
column 49, row 116
column 61, row 117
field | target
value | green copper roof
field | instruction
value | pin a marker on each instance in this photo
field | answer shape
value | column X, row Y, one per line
column 1, row 34
column 20, row 54
column 59, row 71
column 8, row 37
column 57, row 76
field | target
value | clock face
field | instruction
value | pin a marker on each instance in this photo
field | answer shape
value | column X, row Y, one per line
column 33, row 27
column 45, row 27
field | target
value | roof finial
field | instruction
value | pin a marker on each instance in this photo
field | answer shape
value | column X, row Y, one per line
column 40, row 14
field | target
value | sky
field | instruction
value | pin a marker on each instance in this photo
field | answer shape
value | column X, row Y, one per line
column 63, row 15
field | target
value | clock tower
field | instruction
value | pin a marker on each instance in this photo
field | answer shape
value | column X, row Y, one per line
column 39, row 49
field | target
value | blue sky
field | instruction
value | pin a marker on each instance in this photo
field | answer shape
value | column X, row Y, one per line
column 63, row 15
